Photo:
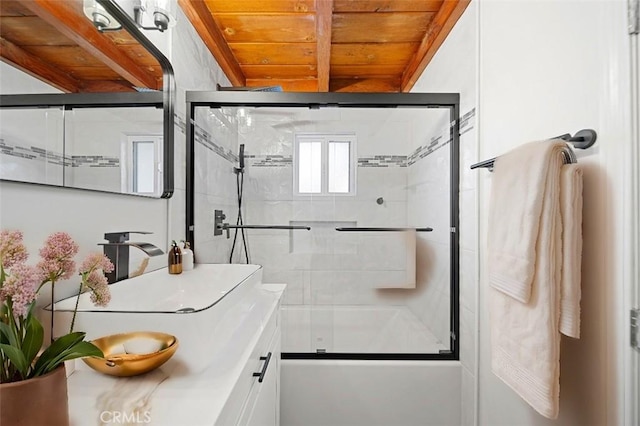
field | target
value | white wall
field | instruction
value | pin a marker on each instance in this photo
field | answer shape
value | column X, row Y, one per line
column 454, row 69
column 548, row 68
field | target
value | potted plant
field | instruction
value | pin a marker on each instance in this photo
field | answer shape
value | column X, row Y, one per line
column 33, row 387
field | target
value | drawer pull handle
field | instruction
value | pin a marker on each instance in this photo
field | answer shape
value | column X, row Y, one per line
column 261, row 374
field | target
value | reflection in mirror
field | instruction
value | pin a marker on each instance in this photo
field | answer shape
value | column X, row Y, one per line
column 104, row 142
column 52, row 47
column 32, row 145
column 114, row 149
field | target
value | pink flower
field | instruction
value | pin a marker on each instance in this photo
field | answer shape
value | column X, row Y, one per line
column 20, row 286
column 97, row 284
column 94, row 261
column 57, row 257
column 92, row 271
column 12, row 251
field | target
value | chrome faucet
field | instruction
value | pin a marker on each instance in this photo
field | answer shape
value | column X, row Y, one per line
column 117, row 250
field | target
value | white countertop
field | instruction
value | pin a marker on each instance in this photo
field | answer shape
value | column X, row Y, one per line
column 167, row 395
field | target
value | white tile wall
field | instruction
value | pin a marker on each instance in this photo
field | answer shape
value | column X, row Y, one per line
column 454, row 69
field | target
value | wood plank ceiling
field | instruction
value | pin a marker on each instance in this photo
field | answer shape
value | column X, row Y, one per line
column 53, row 40
column 324, row 45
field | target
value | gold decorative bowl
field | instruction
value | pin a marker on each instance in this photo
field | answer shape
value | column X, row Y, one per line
column 117, row 362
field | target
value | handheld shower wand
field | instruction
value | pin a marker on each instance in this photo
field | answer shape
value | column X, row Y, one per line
column 240, row 187
column 240, row 168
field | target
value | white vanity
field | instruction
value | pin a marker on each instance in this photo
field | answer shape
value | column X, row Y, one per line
column 226, row 370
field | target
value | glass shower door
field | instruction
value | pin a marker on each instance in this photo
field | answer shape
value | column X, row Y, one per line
column 362, row 283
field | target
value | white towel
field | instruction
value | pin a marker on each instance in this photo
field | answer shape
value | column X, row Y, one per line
column 525, row 334
column 525, row 341
column 525, row 180
column 571, row 211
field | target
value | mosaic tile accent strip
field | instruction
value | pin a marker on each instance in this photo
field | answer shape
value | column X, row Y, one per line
column 94, row 161
column 424, row 150
column 467, row 122
column 32, row 153
column 269, row 160
column 207, row 140
column 51, row 157
column 204, row 138
column 180, row 122
column 383, row 161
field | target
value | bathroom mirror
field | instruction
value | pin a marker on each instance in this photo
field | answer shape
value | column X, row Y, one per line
column 81, row 108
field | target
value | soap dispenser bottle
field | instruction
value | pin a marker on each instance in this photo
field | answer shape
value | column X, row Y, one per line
column 175, row 259
column 187, row 257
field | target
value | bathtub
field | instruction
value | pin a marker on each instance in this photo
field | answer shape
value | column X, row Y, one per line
column 347, row 392
column 355, row 329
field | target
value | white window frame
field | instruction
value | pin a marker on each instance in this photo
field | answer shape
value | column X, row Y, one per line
column 127, row 164
column 325, row 139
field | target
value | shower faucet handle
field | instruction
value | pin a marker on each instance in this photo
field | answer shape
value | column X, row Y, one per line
column 218, row 223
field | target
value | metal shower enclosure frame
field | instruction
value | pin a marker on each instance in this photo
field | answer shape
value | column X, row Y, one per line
column 450, row 101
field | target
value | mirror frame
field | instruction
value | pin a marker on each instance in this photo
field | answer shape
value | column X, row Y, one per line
column 164, row 99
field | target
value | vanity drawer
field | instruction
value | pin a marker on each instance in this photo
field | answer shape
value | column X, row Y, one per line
column 247, row 381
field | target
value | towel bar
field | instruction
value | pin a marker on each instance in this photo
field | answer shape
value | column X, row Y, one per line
column 583, row 139
column 364, row 229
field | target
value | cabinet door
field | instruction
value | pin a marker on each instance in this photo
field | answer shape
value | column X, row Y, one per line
column 263, row 408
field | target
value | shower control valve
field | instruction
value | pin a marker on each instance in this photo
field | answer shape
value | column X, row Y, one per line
column 218, row 223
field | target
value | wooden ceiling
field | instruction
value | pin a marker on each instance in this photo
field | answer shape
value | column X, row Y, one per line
column 301, row 45
column 53, row 41
column 324, row 45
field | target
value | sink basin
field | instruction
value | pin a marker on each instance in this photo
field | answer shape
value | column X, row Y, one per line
column 200, row 307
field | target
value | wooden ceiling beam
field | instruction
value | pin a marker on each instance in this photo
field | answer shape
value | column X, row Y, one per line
column 202, row 20
column 37, row 68
column 101, row 86
column 437, row 32
column 364, row 85
column 288, row 85
column 68, row 18
column 324, row 14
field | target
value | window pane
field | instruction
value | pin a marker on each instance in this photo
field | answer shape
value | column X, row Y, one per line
column 339, row 167
column 143, row 165
column 310, row 167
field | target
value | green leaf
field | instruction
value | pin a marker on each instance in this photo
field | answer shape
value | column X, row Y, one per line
column 79, row 350
column 17, row 358
column 33, row 339
column 60, row 345
column 9, row 334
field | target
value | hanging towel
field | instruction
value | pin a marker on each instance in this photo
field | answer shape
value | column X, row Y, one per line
column 571, row 212
column 525, row 179
column 525, row 330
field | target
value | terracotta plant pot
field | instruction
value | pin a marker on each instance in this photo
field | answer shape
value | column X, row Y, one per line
column 38, row 401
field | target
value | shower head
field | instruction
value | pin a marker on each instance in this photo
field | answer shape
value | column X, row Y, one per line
column 240, row 168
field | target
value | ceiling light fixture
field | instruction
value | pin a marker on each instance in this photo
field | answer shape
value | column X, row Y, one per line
column 147, row 14
column 100, row 18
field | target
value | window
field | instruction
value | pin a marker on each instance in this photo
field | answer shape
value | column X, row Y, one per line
column 141, row 171
column 143, row 166
column 324, row 164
